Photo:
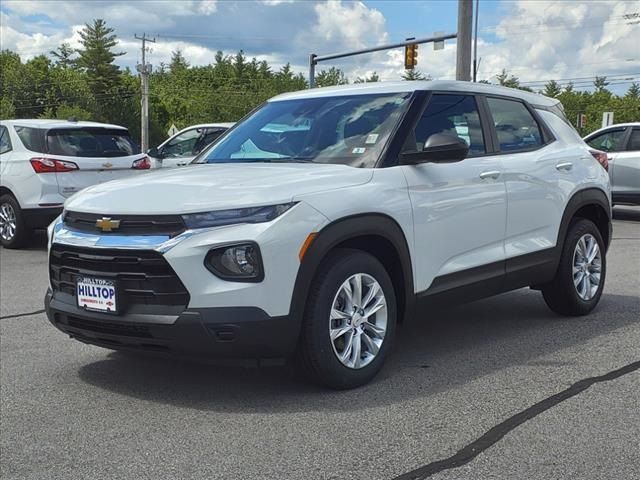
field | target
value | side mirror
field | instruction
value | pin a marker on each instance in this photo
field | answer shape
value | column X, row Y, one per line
column 440, row 148
column 154, row 152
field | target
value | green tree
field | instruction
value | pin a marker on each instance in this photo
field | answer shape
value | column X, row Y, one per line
column 511, row 81
column 96, row 57
column 552, row 89
column 178, row 62
column 333, row 76
column 415, row 75
column 374, row 77
column 600, row 83
column 63, row 56
column 634, row 91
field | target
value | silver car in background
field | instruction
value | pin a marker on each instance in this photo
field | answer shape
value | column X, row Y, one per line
column 622, row 144
column 181, row 148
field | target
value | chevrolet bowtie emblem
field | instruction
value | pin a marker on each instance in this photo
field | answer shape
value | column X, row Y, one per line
column 106, row 224
column 107, row 165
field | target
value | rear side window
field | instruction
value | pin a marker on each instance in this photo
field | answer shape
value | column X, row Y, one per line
column 90, row 142
column 634, row 140
column 5, row 141
column 515, row 126
column 32, row 138
column 451, row 114
column 609, row 141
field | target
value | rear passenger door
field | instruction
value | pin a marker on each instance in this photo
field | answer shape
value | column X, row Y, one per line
column 538, row 174
column 613, row 142
column 459, row 208
column 626, row 167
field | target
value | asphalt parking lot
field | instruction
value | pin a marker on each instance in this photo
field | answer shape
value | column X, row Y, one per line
column 497, row 389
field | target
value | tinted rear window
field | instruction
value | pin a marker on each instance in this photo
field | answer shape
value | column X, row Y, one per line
column 32, row 138
column 91, row 142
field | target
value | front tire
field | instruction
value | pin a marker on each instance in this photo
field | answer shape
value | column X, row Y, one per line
column 13, row 230
column 349, row 320
column 579, row 281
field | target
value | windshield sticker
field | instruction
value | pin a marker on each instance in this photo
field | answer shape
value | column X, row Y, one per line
column 371, row 139
column 359, row 150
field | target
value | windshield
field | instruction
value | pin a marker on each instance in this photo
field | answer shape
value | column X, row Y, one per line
column 350, row 130
column 91, row 142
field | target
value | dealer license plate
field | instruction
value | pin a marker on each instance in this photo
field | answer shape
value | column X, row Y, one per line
column 97, row 294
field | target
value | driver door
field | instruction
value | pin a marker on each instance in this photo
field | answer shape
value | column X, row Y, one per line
column 459, row 208
column 178, row 151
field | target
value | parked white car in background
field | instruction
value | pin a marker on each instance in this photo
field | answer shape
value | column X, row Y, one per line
column 43, row 162
column 181, row 148
column 622, row 144
column 328, row 216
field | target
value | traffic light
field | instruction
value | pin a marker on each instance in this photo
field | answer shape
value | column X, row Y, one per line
column 410, row 56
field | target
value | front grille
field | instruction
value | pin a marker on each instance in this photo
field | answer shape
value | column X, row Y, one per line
column 170, row 225
column 143, row 277
column 133, row 330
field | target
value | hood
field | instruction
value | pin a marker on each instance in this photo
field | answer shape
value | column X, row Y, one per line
column 201, row 188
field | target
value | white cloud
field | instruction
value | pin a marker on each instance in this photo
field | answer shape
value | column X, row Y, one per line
column 534, row 40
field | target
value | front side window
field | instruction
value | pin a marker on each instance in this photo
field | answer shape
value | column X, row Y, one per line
column 515, row 126
column 207, row 138
column 5, row 141
column 350, row 130
column 634, row 140
column 90, row 142
column 183, row 144
column 452, row 114
column 609, row 141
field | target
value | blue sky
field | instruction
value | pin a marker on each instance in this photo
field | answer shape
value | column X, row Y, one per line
column 535, row 40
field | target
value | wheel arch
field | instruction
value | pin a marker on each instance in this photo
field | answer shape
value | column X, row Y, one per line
column 592, row 204
column 377, row 234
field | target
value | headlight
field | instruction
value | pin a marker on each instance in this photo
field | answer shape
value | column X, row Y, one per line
column 241, row 262
column 236, row 215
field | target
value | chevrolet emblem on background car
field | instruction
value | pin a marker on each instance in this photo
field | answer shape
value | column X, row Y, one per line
column 106, row 224
column 107, row 165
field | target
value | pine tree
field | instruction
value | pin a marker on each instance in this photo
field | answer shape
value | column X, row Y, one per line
column 96, row 57
column 63, row 56
column 634, row 91
column 600, row 83
column 374, row 77
column 178, row 62
column 415, row 75
column 333, row 76
column 552, row 89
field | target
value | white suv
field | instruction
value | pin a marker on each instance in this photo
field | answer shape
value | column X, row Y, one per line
column 329, row 216
column 43, row 162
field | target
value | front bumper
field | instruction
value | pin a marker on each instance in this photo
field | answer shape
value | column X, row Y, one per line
column 232, row 332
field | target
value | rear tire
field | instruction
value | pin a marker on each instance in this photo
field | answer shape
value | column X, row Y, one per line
column 347, row 330
column 13, row 230
column 579, row 281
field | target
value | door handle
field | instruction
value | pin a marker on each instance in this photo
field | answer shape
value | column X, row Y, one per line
column 492, row 174
column 564, row 166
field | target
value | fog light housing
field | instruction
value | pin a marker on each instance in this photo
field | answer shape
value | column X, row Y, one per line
column 238, row 263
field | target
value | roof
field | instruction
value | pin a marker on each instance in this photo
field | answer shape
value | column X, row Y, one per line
column 411, row 86
column 47, row 123
column 621, row 125
column 210, row 125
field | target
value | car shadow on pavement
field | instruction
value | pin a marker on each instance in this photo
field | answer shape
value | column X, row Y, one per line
column 448, row 348
column 628, row 214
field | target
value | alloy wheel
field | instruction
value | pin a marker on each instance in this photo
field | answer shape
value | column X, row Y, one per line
column 587, row 267
column 7, row 222
column 358, row 321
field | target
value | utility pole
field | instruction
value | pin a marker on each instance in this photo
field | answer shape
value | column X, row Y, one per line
column 144, row 69
column 476, row 63
column 463, row 48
